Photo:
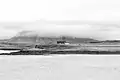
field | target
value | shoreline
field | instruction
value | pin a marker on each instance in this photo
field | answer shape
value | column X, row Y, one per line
column 61, row 52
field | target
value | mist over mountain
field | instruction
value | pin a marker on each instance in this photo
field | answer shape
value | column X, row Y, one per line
column 46, row 28
column 34, row 37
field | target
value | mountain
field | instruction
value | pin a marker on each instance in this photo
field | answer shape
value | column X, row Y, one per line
column 33, row 37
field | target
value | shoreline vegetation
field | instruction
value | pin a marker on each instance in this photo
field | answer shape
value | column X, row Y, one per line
column 36, row 45
column 63, row 50
column 59, row 52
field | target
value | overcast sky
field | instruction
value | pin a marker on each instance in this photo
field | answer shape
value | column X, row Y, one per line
column 98, row 19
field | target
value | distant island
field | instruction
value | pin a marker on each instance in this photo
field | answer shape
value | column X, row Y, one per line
column 30, row 43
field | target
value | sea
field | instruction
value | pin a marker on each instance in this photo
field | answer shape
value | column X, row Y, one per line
column 8, row 51
column 60, row 67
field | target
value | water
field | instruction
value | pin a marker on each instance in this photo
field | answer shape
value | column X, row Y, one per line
column 8, row 51
column 69, row 67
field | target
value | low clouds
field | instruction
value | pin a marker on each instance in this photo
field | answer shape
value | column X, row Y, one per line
column 47, row 28
column 13, row 26
column 106, row 11
column 6, row 33
column 89, row 30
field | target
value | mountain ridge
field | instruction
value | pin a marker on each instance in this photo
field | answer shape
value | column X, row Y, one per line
column 34, row 37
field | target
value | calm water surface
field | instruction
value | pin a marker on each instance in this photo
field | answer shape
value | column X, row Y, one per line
column 72, row 67
column 8, row 51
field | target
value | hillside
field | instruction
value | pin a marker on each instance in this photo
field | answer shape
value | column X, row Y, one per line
column 33, row 37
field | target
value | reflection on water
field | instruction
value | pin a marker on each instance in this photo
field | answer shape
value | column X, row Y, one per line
column 8, row 51
column 72, row 67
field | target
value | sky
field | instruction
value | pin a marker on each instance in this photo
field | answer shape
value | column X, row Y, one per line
column 98, row 19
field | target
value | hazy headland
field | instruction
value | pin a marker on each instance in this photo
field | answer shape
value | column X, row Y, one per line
column 29, row 43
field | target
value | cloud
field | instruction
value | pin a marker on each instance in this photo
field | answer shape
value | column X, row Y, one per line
column 100, row 31
column 96, row 31
column 103, row 14
column 5, row 33
column 13, row 26
column 92, row 10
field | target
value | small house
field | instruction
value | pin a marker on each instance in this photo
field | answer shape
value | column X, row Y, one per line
column 61, row 42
